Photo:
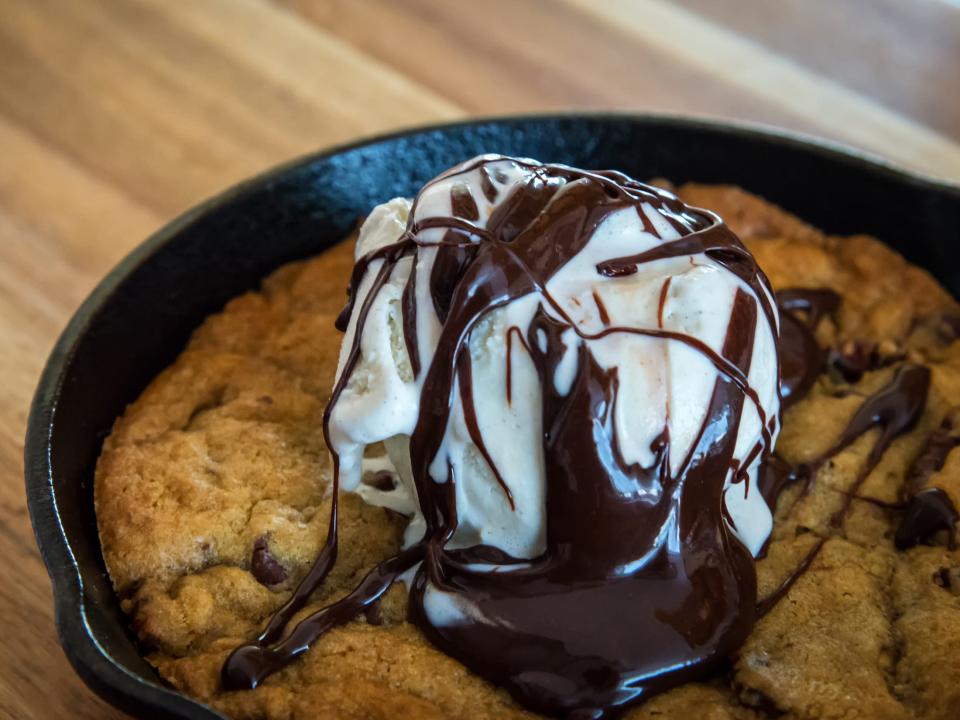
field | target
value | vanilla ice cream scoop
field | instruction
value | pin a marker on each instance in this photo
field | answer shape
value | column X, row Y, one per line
column 492, row 445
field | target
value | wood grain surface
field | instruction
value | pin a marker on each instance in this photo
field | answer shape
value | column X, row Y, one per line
column 115, row 115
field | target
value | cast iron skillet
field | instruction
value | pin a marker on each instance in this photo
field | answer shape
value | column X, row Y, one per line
column 139, row 318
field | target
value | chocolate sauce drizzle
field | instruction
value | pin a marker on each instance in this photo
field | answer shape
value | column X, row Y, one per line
column 657, row 592
column 801, row 357
column 894, row 409
column 642, row 585
column 930, row 510
column 801, row 362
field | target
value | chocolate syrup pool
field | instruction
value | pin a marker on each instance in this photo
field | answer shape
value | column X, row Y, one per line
column 642, row 585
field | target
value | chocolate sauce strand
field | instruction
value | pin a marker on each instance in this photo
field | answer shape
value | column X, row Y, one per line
column 895, row 409
column 409, row 313
column 328, row 556
column 775, row 475
column 462, row 203
column 509, row 371
column 248, row 665
column 646, row 222
column 450, row 263
column 318, row 572
column 662, row 303
column 465, row 375
column 486, row 185
column 232, row 670
column 716, row 241
column 933, row 457
column 801, row 360
column 460, row 231
column 551, row 630
column 511, row 331
column 930, row 510
column 816, row 302
column 741, row 329
column 393, row 250
column 601, row 309
column 768, row 603
column 521, row 207
column 801, row 357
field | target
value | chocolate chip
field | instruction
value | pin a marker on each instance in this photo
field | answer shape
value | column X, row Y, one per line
column 264, row 566
column 949, row 579
column 265, row 400
column 942, row 578
column 929, row 513
column 853, row 359
column 759, row 700
column 950, row 327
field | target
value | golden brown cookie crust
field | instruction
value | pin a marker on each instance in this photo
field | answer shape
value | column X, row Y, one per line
column 211, row 497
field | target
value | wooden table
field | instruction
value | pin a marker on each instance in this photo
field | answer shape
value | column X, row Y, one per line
column 117, row 115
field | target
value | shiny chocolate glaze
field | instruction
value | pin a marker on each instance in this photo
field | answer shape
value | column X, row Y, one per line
column 801, row 357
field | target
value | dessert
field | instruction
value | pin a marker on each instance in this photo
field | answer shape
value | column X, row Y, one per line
column 576, row 378
column 607, row 562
